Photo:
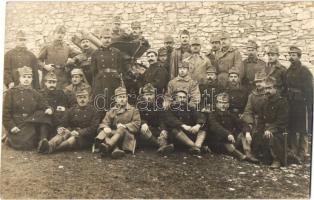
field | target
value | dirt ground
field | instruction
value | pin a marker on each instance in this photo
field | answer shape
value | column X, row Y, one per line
column 145, row 175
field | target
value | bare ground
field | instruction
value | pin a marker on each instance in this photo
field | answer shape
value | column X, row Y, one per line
column 145, row 175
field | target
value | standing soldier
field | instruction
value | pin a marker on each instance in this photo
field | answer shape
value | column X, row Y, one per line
column 156, row 74
column 228, row 57
column 19, row 57
column 275, row 69
column 253, row 109
column 106, row 68
column 212, row 55
column 167, row 50
column 183, row 82
column 162, row 58
column 238, row 94
column 117, row 31
column 25, row 113
column 118, row 129
column 198, row 63
column 185, row 123
column 179, row 53
column 54, row 57
column 252, row 65
column 152, row 128
column 300, row 98
column 78, row 127
column 273, row 123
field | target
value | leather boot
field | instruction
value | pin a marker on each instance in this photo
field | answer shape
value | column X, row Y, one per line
column 164, row 147
column 117, row 153
column 44, row 147
column 43, row 135
column 275, row 164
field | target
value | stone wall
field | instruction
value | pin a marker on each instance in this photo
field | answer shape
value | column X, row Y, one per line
column 281, row 23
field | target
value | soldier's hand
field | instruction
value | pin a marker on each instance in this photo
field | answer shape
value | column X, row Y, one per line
column 48, row 111
column 60, row 130
column 70, row 61
column 11, row 85
column 248, row 137
column 144, row 128
column 121, row 125
column 15, row 130
column 186, row 127
column 75, row 133
column 48, row 67
column 60, row 108
column 268, row 134
column 231, row 138
column 107, row 130
column 195, row 128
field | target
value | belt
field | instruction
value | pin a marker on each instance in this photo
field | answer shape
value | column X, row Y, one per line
column 109, row 70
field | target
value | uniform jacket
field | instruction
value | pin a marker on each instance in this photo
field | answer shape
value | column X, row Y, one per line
column 226, row 60
column 208, row 93
column 198, row 65
column 237, row 98
column 157, row 75
column 76, row 88
column 178, row 54
column 150, row 114
column 212, row 56
column 278, row 71
column 186, row 84
column 16, row 58
column 251, row 66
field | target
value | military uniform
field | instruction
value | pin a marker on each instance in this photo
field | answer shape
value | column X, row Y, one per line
column 24, row 108
column 212, row 55
column 163, row 51
column 300, row 98
column 20, row 57
column 57, row 53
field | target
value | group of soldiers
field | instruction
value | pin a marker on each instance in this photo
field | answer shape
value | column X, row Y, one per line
column 184, row 99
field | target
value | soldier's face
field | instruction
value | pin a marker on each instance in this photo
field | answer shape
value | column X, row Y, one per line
column 270, row 90
column 215, row 45
column 136, row 30
column 105, row 40
column 168, row 44
column 222, row 106
column 183, row 71
column 82, row 100
column 121, row 100
column 85, row 44
column 211, row 77
column 272, row 57
column 21, row 42
column 151, row 58
column 293, row 57
column 59, row 36
column 162, row 58
column 225, row 42
column 149, row 97
column 76, row 79
column 185, row 39
column 116, row 25
column 51, row 84
column 259, row 85
column 233, row 79
column 195, row 48
column 26, row 79
column 251, row 52
column 181, row 97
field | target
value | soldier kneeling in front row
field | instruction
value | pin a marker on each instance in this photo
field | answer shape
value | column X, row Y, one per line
column 77, row 129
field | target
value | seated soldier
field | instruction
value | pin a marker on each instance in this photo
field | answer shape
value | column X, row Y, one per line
column 273, row 122
column 77, row 129
column 185, row 83
column 235, row 128
column 185, row 123
column 78, row 81
column 152, row 129
column 118, row 129
column 25, row 114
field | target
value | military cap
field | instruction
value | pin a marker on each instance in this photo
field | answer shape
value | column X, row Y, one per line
column 162, row 51
column 25, row 71
column 168, row 38
column 184, row 65
column 294, row 49
column 77, row 71
column 135, row 25
column 185, row 32
column 270, row 81
column 273, row 49
column 51, row 76
column 211, row 70
column 222, row 97
column 195, row 41
column 84, row 37
column 234, row 70
column 148, row 89
column 182, row 91
column 224, row 35
column 82, row 93
column 120, row 91
column 215, row 38
column 105, row 32
column 260, row 76
column 116, row 19
column 60, row 29
column 151, row 51
column 21, row 35
column 252, row 44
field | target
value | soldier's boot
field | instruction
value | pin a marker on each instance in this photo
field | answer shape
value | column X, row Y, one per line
column 98, row 140
column 248, row 151
column 67, row 144
column 50, row 146
column 164, row 147
column 183, row 138
column 117, row 153
column 43, row 135
column 234, row 152
column 275, row 164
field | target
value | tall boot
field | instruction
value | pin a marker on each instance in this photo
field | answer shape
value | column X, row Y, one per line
column 164, row 147
column 43, row 135
column 234, row 152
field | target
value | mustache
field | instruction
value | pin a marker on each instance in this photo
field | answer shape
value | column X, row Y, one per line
column 85, row 46
column 150, row 60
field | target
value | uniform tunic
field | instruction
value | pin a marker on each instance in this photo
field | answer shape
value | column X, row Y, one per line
column 157, row 76
column 277, row 71
column 198, row 65
column 178, row 54
column 251, row 66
